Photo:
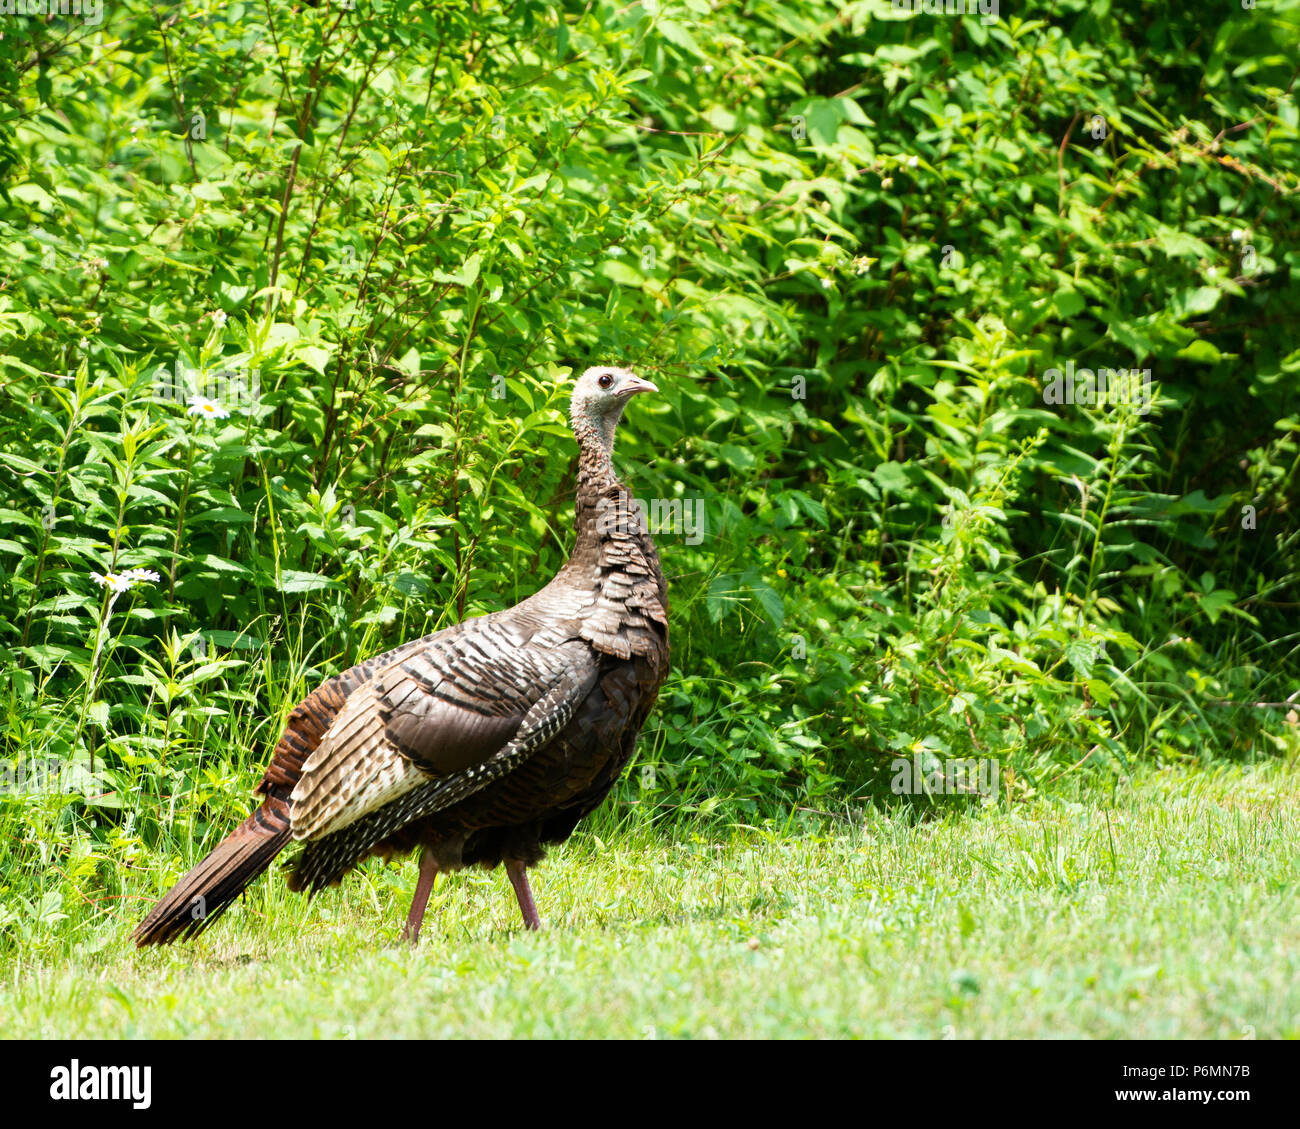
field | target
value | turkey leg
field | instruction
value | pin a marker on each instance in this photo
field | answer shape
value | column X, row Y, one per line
column 423, row 888
column 519, row 880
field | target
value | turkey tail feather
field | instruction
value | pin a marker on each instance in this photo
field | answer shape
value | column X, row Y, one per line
column 199, row 898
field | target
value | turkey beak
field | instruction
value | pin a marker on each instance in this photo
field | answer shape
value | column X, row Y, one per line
column 635, row 384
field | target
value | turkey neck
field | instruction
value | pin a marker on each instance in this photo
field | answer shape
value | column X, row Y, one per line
column 611, row 535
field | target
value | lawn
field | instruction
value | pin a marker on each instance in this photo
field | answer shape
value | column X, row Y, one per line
column 1170, row 909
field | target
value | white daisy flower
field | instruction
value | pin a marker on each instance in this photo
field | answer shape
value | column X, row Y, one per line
column 204, row 408
column 124, row 581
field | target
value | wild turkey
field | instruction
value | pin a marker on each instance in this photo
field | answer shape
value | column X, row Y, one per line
column 479, row 743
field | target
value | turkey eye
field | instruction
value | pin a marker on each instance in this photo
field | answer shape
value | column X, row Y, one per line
column 605, row 381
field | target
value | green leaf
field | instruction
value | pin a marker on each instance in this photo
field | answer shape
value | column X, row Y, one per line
column 676, row 34
column 1068, row 303
column 465, row 276
column 292, row 581
column 1214, row 603
column 1201, row 351
column 219, row 564
column 771, row 603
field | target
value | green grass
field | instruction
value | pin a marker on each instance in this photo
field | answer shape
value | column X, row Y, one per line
column 1174, row 912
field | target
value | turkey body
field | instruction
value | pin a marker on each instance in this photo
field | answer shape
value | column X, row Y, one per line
column 475, row 668
column 478, row 744
column 543, row 800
